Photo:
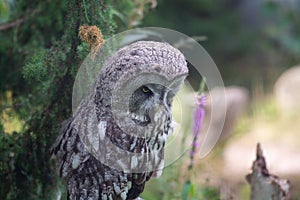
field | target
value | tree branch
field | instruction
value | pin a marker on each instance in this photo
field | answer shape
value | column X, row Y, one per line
column 12, row 24
column 265, row 185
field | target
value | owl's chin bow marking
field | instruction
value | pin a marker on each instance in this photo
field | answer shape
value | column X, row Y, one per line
column 140, row 120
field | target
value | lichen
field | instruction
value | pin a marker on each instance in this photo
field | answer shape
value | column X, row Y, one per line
column 92, row 36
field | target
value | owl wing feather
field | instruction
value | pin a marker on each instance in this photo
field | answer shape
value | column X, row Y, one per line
column 87, row 177
column 68, row 150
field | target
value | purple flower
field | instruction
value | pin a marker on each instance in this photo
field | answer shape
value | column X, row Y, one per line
column 199, row 113
column 198, row 117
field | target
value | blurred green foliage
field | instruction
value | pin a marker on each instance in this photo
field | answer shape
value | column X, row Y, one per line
column 284, row 27
column 171, row 185
column 193, row 191
column 216, row 20
column 4, row 10
column 248, row 40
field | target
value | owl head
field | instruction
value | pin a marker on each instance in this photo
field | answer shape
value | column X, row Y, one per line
column 141, row 79
column 130, row 103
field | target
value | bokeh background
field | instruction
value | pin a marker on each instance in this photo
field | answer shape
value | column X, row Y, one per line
column 255, row 44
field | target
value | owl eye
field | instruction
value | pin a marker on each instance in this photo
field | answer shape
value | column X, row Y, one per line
column 146, row 89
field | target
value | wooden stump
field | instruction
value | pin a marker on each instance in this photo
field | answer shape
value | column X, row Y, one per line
column 265, row 186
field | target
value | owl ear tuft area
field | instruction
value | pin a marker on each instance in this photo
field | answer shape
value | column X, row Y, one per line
column 177, row 81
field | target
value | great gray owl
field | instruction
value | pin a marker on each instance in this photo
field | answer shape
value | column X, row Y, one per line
column 114, row 142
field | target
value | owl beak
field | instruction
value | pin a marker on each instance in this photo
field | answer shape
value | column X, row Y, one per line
column 159, row 112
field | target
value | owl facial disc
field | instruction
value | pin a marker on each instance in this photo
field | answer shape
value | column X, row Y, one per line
column 136, row 102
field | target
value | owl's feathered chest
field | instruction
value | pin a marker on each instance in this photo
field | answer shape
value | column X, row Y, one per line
column 89, row 177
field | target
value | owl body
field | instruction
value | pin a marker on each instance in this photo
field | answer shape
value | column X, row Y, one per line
column 115, row 141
